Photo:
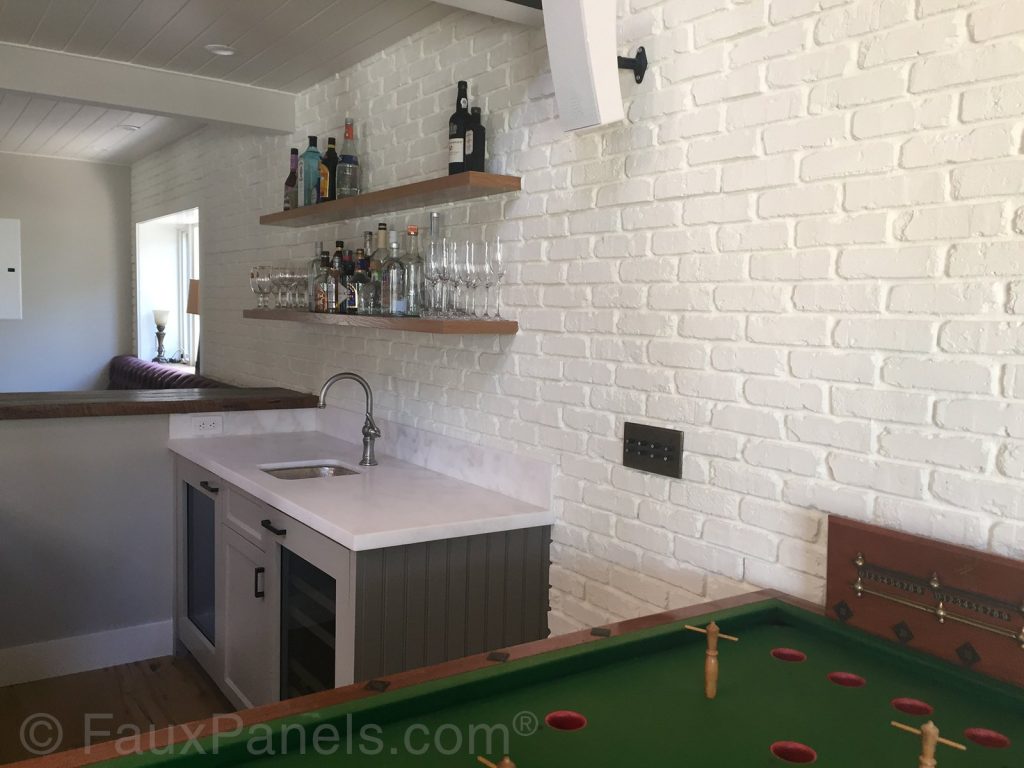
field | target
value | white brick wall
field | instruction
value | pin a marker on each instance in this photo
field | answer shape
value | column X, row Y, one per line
column 802, row 247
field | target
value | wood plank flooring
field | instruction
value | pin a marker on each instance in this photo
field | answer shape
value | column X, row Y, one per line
column 154, row 693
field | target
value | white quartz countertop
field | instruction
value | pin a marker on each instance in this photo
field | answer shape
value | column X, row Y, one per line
column 388, row 505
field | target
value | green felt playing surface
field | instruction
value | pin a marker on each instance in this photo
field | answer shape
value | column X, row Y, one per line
column 642, row 695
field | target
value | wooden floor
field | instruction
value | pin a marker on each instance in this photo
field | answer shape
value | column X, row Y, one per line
column 159, row 692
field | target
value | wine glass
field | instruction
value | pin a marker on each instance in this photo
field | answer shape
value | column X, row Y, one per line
column 496, row 267
column 460, row 276
column 475, row 264
column 447, row 276
column 277, row 285
column 432, row 267
column 259, row 282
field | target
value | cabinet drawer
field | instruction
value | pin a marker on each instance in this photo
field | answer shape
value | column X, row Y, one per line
column 246, row 516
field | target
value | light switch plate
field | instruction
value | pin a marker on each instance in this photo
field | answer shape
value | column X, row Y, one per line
column 10, row 269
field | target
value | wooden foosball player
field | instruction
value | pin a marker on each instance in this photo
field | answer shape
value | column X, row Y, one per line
column 711, row 656
column 930, row 739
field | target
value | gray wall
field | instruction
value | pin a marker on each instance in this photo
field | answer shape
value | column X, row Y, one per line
column 76, row 272
column 86, row 526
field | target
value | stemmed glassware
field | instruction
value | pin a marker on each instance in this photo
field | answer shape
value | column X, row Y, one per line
column 472, row 258
column 260, row 283
column 496, row 267
column 433, row 267
column 460, row 275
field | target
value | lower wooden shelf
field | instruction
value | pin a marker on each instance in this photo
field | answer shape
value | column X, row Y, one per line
column 414, row 324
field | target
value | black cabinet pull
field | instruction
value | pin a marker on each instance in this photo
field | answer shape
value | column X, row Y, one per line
column 257, row 592
column 270, row 527
column 205, row 485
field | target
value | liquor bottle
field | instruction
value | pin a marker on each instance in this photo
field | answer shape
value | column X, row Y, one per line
column 320, row 301
column 392, row 298
column 457, row 125
column 348, row 278
column 475, row 140
column 336, row 294
column 412, row 267
column 377, row 259
column 325, row 181
column 348, row 164
column 309, row 180
column 330, row 163
column 313, row 273
column 291, row 183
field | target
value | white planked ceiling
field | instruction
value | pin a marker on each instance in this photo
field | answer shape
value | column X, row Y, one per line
column 39, row 126
column 286, row 45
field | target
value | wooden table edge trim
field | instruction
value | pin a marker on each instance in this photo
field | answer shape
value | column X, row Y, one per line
column 203, row 728
column 74, row 409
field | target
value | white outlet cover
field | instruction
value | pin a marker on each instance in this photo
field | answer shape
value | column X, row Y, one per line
column 207, row 424
column 10, row 269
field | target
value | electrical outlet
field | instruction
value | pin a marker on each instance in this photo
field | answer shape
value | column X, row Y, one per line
column 653, row 449
column 208, row 424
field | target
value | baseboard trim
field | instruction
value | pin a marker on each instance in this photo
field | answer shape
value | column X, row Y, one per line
column 68, row 655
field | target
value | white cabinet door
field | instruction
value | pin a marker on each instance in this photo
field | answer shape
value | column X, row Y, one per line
column 250, row 622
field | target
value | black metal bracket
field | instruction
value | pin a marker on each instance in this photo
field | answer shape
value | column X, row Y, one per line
column 638, row 64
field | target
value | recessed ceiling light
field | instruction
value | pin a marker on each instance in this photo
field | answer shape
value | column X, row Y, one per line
column 129, row 127
column 220, row 50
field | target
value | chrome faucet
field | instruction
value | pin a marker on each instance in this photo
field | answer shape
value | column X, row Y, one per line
column 370, row 429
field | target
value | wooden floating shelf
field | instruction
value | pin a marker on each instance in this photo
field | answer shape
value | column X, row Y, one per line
column 446, row 189
column 413, row 324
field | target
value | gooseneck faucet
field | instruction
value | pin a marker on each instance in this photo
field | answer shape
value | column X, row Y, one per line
column 370, row 429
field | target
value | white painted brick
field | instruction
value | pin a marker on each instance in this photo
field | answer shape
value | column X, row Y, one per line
column 884, row 476
column 733, row 146
column 716, row 88
column 785, row 457
column 1008, row 539
column 932, row 521
column 673, row 572
column 810, row 67
column 943, row 298
column 827, row 497
column 617, row 603
column 858, row 90
column 999, row 59
column 881, row 263
column 680, row 297
column 981, row 417
column 899, row 335
column 860, row 18
column 712, row 559
column 716, row 209
column 881, row 405
column 803, row 557
column 786, row 520
column 742, row 538
column 729, row 23
column 945, row 375
column 644, row 536
column 776, row 42
column 854, row 229
column 775, row 576
column 798, row 200
column 680, row 11
column 687, row 66
column 776, row 393
column 982, row 337
column 711, row 502
column 809, row 133
column 932, row 7
column 836, row 433
column 685, row 125
column 747, row 421
column 761, row 173
column 712, row 268
column 686, row 183
column 997, row 20
column 910, row 42
column 709, row 386
column 1013, row 381
column 938, row 448
column 751, row 298
column 791, row 330
column 766, row 236
column 851, row 367
column 993, row 102
column 757, row 360
column 744, row 480
column 672, row 517
column 903, row 117
column 895, row 191
column 957, row 146
column 847, row 161
column 856, row 297
column 711, row 327
column 989, row 179
column 677, row 354
column 792, row 265
column 763, row 109
column 1010, row 461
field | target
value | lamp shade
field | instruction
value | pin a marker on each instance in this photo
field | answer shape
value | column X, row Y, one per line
column 192, row 307
column 161, row 316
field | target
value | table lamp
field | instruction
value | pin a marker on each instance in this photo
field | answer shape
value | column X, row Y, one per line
column 160, row 317
column 192, row 308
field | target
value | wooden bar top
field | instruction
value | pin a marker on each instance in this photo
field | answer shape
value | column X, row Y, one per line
column 141, row 402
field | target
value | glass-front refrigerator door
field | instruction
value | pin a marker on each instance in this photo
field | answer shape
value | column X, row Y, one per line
column 308, row 627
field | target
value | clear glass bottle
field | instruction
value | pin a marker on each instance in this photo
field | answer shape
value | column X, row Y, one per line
column 291, row 183
column 361, row 277
column 393, row 299
column 377, row 259
column 348, row 163
column 320, row 298
column 313, row 274
column 412, row 267
column 309, row 179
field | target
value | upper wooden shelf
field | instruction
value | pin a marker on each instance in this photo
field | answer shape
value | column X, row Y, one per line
column 465, row 326
column 447, row 189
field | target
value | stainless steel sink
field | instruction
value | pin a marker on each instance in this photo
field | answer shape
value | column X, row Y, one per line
column 308, row 471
